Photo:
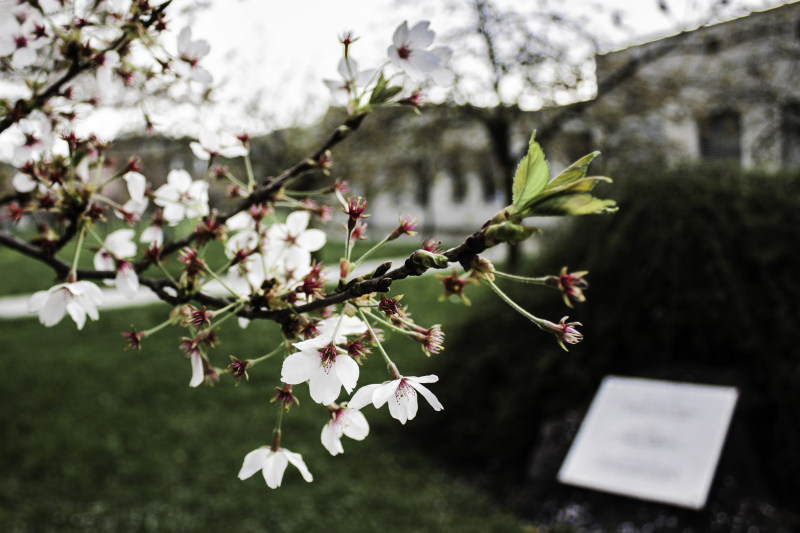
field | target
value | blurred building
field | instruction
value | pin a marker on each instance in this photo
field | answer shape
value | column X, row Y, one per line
column 729, row 91
column 726, row 92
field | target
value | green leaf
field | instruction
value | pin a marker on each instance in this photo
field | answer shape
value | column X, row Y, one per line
column 566, row 194
column 570, row 203
column 574, row 172
column 580, row 185
column 531, row 176
column 379, row 86
column 383, row 92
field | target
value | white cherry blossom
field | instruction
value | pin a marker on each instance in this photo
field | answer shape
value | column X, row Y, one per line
column 352, row 78
column 443, row 76
column 211, row 144
column 400, row 394
column 190, row 53
column 344, row 421
column 137, row 186
column 79, row 299
column 291, row 243
column 36, row 136
column 326, row 367
column 241, row 221
column 272, row 464
column 409, row 51
column 181, row 197
column 23, row 182
column 117, row 247
column 248, row 275
column 343, row 325
column 105, row 73
column 18, row 35
column 153, row 235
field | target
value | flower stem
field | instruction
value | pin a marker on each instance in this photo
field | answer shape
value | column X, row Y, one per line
column 224, row 311
column 166, row 273
column 267, row 356
column 386, row 323
column 251, row 178
column 78, row 245
column 386, row 358
column 276, row 433
column 236, row 182
column 369, row 252
column 109, row 201
column 523, row 279
column 538, row 321
column 219, row 280
column 157, row 328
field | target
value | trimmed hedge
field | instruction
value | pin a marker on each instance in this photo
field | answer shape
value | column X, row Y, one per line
column 696, row 279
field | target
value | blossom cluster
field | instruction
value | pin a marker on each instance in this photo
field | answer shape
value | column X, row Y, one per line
column 251, row 255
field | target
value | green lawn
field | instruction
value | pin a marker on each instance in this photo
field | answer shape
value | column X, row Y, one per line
column 100, row 439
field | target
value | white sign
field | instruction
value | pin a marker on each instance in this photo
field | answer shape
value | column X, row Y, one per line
column 652, row 440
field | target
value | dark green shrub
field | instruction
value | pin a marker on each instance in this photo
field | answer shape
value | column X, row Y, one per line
column 696, row 278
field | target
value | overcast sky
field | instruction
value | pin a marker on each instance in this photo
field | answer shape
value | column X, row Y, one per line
column 275, row 53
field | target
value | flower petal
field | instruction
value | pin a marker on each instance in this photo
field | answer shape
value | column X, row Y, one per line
column 324, row 385
column 297, row 460
column 363, row 396
column 347, row 371
column 197, row 370
column 77, row 312
column 330, row 439
column 428, row 395
column 53, row 306
column 420, row 36
column 299, row 367
column 274, row 467
column 23, row 182
column 354, row 423
column 312, row 239
column 126, row 281
column 424, row 61
column 400, row 36
column 253, row 462
column 137, row 184
column 179, row 180
column 400, row 406
column 297, row 222
column 385, row 392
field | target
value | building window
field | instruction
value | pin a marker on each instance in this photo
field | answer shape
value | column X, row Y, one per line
column 712, row 45
column 790, row 131
column 720, row 136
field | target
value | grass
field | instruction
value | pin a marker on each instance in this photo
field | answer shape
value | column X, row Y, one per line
column 99, row 439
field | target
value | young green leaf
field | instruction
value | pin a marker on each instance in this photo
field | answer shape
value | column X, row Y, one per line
column 574, row 172
column 531, row 176
column 572, row 204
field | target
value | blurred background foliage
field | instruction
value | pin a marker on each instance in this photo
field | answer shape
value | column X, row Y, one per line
column 694, row 279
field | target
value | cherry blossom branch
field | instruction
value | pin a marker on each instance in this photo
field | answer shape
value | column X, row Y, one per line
column 270, row 186
column 23, row 108
column 382, row 278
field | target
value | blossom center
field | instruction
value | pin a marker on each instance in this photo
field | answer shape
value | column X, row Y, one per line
column 327, row 356
column 404, row 390
column 404, row 52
